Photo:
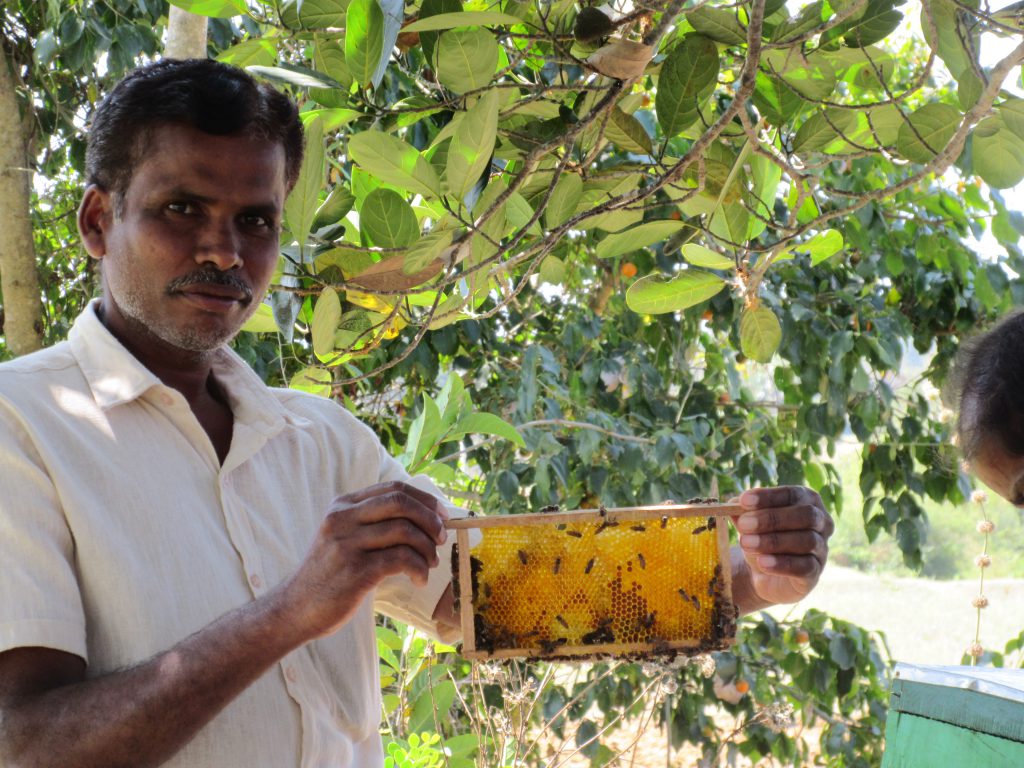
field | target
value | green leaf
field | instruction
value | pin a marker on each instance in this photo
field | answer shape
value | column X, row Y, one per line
column 926, row 132
column 775, row 100
column 810, row 76
column 426, row 250
column 364, row 39
column 485, row 424
column 760, row 333
column 720, row 24
column 262, row 320
column 436, row 698
column 429, row 8
column 394, row 162
column 315, row 380
column 461, row 19
column 655, row 294
column 326, row 316
column 822, row 246
column 637, row 237
column 998, row 155
column 301, row 205
column 955, row 34
column 253, row 52
column 338, row 203
column 218, row 9
column 313, row 14
column 423, row 434
column 690, row 68
column 465, row 59
column 879, row 19
column 294, row 75
column 628, row 133
column 469, row 154
column 552, row 270
column 700, row 256
column 825, row 130
column 388, row 220
column 562, row 202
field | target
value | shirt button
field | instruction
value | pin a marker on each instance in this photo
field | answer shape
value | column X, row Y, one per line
column 291, row 674
column 256, row 581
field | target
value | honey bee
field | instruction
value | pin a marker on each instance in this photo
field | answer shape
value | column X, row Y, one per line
column 575, row 534
column 590, row 565
column 640, row 559
column 522, row 557
column 638, row 528
column 558, row 564
column 561, row 621
column 664, row 521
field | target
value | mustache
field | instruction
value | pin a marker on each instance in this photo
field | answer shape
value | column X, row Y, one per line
column 210, row 277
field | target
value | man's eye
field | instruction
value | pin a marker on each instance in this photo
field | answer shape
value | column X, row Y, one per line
column 181, row 207
column 255, row 220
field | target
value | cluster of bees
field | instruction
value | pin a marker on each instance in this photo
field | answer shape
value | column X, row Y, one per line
column 600, row 586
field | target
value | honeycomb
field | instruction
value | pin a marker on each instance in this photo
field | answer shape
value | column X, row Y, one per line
column 589, row 584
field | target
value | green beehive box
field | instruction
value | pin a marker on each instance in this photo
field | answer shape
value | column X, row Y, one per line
column 955, row 717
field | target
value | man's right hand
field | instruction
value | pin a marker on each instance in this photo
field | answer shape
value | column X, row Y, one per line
column 365, row 537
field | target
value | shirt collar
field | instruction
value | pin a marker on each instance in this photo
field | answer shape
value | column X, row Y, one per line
column 115, row 375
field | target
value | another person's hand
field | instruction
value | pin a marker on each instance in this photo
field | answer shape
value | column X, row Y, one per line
column 365, row 537
column 783, row 546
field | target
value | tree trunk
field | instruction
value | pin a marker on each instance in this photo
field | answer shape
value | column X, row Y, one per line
column 19, row 278
column 186, row 35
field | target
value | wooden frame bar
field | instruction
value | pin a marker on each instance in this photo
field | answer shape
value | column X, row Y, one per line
column 626, row 514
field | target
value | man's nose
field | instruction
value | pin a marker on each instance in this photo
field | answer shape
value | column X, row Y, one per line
column 220, row 245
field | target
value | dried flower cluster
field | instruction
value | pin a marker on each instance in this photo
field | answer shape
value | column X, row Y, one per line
column 985, row 527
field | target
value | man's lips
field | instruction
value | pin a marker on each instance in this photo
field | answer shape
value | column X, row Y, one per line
column 217, row 291
column 212, row 287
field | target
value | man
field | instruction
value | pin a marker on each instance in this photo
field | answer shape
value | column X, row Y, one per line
column 987, row 388
column 190, row 559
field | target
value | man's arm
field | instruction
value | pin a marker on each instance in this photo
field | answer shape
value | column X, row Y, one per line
column 51, row 716
column 783, row 546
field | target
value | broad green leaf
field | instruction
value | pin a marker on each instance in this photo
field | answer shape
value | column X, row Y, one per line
column 926, row 132
column 394, row 16
column 461, row 19
column 426, row 250
column 433, row 701
column 760, row 333
column 638, row 237
column 1011, row 111
column 626, row 132
column 730, row 223
column 486, row 424
column 326, row 316
column 301, row 205
column 810, row 76
column 720, row 24
column 775, row 100
column 998, row 155
column 518, row 213
column 355, row 330
column 564, row 197
column 394, row 162
column 364, row 39
column 429, row 8
column 253, row 52
column 294, row 75
column 329, row 58
column 315, row 380
column 877, row 22
column 825, row 130
column 452, row 401
column 822, row 246
column 884, row 124
column 469, row 154
column 689, row 69
column 338, row 203
column 388, row 220
column 332, row 118
column 313, row 14
column 219, row 9
column 654, row 294
column 954, row 35
column 700, row 256
column 552, row 270
column 262, row 320
column 465, row 59
column 423, row 433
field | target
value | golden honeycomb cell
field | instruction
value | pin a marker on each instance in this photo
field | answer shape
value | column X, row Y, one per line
column 635, row 581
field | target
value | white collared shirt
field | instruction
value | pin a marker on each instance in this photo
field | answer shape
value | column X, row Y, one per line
column 121, row 534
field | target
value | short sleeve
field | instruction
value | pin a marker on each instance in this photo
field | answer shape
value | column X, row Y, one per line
column 40, row 601
column 397, row 596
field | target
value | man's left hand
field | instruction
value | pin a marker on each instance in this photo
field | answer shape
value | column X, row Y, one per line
column 783, row 546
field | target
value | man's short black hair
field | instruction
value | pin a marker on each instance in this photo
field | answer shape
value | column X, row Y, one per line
column 986, row 386
column 206, row 95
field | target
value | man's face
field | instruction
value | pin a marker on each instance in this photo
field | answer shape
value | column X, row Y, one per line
column 190, row 250
column 1001, row 471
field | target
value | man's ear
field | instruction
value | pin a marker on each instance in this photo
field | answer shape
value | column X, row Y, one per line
column 95, row 215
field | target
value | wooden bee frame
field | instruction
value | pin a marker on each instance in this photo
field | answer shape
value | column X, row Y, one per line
column 626, row 582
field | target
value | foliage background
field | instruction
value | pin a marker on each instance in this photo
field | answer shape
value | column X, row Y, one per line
column 688, row 249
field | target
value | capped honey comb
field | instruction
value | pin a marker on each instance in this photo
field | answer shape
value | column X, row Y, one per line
column 631, row 582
